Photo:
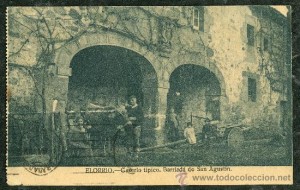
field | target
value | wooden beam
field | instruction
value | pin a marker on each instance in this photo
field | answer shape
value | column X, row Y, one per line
column 163, row 145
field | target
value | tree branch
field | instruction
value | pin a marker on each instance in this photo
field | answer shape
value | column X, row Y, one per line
column 47, row 26
column 22, row 24
column 34, row 81
column 22, row 46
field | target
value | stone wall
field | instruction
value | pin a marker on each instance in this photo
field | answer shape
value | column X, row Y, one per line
column 234, row 57
column 166, row 38
column 23, row 96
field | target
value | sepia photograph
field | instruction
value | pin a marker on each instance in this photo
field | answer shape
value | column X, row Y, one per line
column 149, row 89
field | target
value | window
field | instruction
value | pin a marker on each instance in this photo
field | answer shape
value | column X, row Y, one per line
column 198, row 18
column 252, row 89
column 250, row 34
column 266, row 44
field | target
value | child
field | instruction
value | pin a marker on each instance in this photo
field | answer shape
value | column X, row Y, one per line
column 79, row 143
column 189, row 134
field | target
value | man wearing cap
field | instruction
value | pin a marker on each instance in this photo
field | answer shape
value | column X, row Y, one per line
column 133, row 126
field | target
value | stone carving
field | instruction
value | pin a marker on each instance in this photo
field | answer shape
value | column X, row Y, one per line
column 166, row 34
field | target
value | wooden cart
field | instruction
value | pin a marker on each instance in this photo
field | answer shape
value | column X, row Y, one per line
column 106, row 136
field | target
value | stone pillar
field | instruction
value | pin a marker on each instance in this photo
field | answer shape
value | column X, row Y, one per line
column 56, row 100
column 161, row 102
column 223, row 107
column 149, row 100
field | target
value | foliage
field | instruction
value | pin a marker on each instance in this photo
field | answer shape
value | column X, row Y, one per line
column 36, row 34
column 272, row 56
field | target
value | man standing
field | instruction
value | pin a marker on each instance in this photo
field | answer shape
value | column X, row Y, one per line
column 173, row 125
column 206, row 131
column 133, row 126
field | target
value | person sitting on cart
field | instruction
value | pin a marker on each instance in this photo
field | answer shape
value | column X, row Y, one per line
column 133, row 126
column 207, row 131
column 79, row 145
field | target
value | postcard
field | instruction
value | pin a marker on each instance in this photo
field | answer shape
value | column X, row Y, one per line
column 149, row 95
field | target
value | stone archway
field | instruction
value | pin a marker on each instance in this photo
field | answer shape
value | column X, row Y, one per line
column 209, row 66
column 59, row 84
column 195, row 90
column 108, row 75
column 64, row 56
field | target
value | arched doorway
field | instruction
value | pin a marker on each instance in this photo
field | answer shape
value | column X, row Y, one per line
column 108, row 75
column 194, row 90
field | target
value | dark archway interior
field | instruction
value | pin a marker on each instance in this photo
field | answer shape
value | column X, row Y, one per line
column 107, row 76
column 194, row 90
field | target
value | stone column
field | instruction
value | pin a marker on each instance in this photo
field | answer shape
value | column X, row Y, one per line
column 161, row 102
column 223, row 107
column 56, row 100
column 149, row 100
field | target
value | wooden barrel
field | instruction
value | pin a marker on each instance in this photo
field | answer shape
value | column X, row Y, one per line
column 104, row 122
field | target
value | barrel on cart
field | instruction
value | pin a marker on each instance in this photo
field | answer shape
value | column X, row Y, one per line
column 239, row 135
column 104, row 122
column 234, row 136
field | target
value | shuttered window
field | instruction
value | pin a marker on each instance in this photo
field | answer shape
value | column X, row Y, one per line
column 252, row 89
column 198, row 18
column 250, row 34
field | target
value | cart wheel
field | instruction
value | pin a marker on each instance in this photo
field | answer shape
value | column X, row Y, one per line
column 120, row 155
column 235, row 138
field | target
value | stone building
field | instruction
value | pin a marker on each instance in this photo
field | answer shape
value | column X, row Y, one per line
column 230, row 64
